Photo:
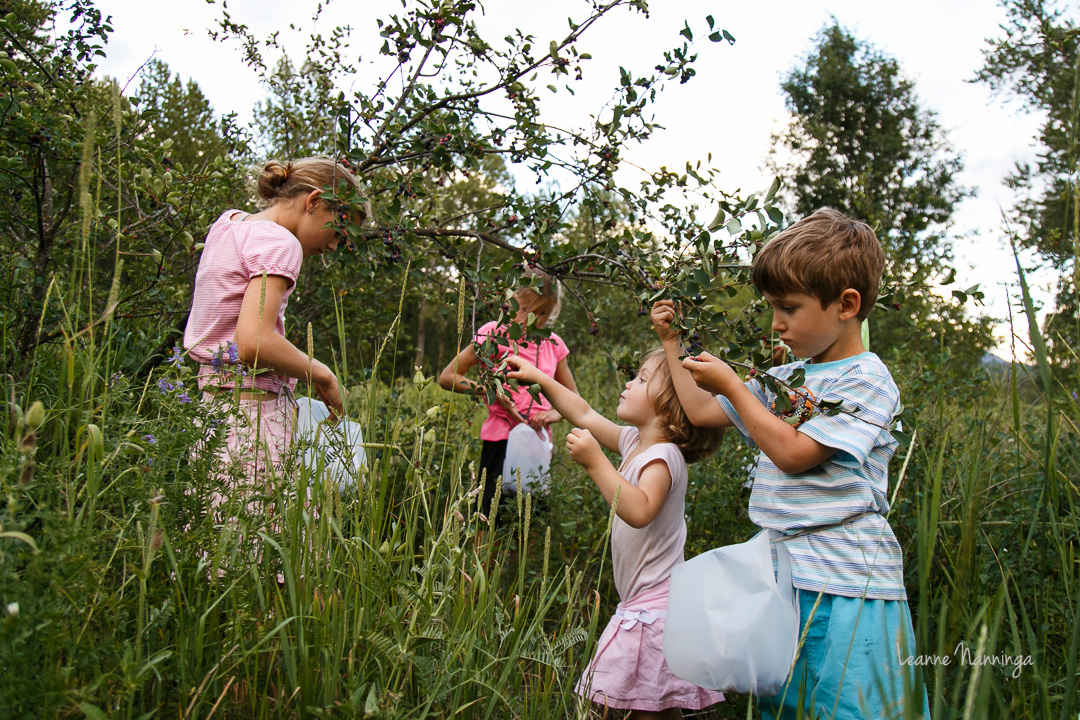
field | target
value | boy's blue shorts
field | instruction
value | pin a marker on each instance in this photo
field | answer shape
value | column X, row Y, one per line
column 849, row 666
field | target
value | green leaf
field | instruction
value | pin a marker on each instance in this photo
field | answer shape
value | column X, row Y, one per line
column 93, row 712
column 773, row 189
column 718, row 220
column 716, row 36
column 729, row 37
column 798, row 378
column 903, row 439
column 709, row 19
column 783, row 402
column 687, row 33
column 371, row 704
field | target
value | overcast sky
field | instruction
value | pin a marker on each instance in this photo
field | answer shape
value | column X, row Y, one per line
column 730, row 109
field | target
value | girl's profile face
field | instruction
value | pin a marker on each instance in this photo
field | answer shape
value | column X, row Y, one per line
column 317, row 225
column 635, row 404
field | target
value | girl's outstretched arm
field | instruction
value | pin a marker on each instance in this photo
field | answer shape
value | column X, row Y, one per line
column 569, row 404
column 453, row 378
column 791, row 451
column 699, row 405
column 259, row 345
column 638, row 504
column 541, row 420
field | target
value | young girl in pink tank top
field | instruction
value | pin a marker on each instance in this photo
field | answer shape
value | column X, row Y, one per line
column 236, row 328
column 648, row 533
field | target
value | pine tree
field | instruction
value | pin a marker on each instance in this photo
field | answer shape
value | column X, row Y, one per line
column 860, row 141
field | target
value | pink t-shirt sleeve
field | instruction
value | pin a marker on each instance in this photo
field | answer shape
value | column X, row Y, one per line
column 561, row 351
column 273, row 253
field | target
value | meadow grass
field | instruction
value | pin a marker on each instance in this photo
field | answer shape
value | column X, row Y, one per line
column 126, row 596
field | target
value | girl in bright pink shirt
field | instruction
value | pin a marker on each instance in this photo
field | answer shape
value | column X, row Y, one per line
column 543, row 299
column 236, row 329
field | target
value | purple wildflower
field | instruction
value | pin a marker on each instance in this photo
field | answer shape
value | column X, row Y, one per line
column 1074, row 394
column 216, row 362
column 149, row 461
column 150, row 439
column 234, row 354
column 183, row 397
column 177, row 355
column 165, row 386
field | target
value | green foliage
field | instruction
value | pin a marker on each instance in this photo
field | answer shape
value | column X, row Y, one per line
column 1038, row 61
column 123, row 594
column 861, row 142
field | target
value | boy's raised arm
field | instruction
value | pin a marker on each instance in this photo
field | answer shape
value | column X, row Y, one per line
column 699, row 405
column 569, row 404
column 791, row 451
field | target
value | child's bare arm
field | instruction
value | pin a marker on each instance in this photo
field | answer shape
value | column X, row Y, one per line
column 569, row 404
column 259, row 345
column 699, row 404
column 565, row 378
column 453, row 378
column 791, row 451
column 638, row 504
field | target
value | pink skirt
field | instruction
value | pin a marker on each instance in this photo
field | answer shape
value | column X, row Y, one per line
column 629, row 671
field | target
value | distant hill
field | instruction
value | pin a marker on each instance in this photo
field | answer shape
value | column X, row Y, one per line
column 990, row 361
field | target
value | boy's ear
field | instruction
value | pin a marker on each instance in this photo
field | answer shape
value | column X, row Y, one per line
column 850, row 304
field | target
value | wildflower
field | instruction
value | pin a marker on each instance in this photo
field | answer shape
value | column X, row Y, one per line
column 216, row 362
column 149, row 438
column 115, row 380
column 183, row 397
column 234, row 354
column 13, row 609
column 149, row 462
column 165, row 386
column 177, row 356
column 1074, row 394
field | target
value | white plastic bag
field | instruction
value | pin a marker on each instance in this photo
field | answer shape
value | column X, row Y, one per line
column 336, row 450
column 531, row 451
column 731, row 624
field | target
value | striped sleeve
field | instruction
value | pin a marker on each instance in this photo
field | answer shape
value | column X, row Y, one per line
column 277, row 253
column 869, row 405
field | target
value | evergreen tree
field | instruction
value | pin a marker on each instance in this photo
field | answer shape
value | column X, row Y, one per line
column 1038, row 61
column 860, row 141
column 181, row 113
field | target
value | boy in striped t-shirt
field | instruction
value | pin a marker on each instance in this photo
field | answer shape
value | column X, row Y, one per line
column 821, row 479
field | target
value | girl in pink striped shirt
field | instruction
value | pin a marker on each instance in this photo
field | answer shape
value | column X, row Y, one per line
column 248, row 269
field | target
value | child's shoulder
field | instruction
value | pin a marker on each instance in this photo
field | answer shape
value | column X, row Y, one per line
column 865, row 365
column 862, row 379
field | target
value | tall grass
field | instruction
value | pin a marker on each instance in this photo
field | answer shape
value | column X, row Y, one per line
column 123, row 595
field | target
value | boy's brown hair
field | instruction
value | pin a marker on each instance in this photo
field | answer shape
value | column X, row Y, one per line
column 822, row 255
column 696, row 443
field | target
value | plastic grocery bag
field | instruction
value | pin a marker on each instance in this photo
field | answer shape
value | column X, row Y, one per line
column 531, row 451
column 335, row 450
column 733, row 625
